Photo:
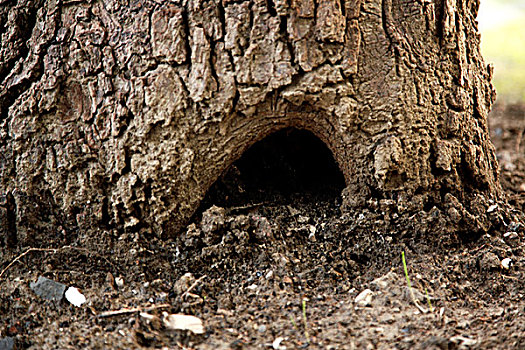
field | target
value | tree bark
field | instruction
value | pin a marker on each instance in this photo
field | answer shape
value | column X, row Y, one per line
column 124, row 113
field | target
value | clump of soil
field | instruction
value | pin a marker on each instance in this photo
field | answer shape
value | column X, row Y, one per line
column 283, row 269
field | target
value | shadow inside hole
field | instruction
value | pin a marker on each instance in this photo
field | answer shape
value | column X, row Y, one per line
column 287, row 164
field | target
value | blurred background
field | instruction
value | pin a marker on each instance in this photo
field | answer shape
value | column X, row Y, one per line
column 502, row 26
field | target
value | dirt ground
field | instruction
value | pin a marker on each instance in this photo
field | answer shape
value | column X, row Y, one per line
column 282, row 273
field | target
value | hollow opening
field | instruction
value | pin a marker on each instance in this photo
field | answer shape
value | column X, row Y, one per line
column 284, row 165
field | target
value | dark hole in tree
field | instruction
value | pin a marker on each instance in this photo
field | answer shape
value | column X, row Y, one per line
column 284, row 165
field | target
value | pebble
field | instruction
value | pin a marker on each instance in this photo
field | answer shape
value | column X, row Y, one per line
column 506, row 263
column 7, row 343
column 48, row 289
column 364, row 298
column 183, row 322
column 276, row 345
column 303, row 219
column 74, row 296
column 261, row 328
column 463, row 342
column 184, row 283
column 312, row 230
column 492, row 208
column 119, row 281
column 511, row 236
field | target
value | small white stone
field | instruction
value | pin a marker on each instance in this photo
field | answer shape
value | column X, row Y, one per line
column 364, row 298
column 511, row 235
column 183, row 322
column 119, row 281
column 492, row 208
column 277, row 344
column 441, row 311
column 303, row 219
column 74, row 296
column 312, row 230
column 463, row 342
column 131, row 222
column 147, row 316
column 505, row 263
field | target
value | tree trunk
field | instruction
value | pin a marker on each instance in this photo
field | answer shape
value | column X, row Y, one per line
column 123, row 113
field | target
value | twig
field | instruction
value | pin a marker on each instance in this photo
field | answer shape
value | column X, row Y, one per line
column 53, row 250
column 24, row 254
column 186, row 293
column 200, row 301
column 132, row 310
column 511, row 277
column 249, row 206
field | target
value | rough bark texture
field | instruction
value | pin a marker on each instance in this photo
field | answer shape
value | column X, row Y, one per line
column 124, row 113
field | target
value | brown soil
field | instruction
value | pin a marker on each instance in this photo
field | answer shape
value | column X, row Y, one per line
column 285, row 266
